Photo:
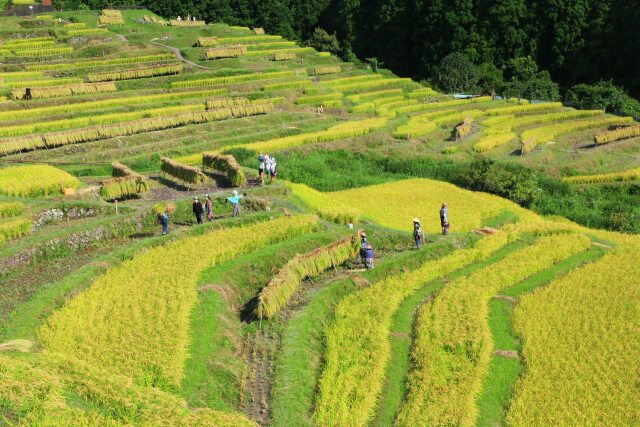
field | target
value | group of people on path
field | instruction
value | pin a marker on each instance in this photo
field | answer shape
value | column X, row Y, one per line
column 199, row 209
column 267, row 166
column 418, row 234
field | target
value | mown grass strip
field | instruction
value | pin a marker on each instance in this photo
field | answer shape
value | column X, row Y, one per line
column 497, row 387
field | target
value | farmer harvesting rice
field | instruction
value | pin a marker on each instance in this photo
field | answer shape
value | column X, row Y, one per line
column 197, row 209
column 261, row 167
column 368, row 251
column 363, row 245
column 267, row 165
column 273, row 169
column 208, row 207
column 418, row 235
column 444, row 221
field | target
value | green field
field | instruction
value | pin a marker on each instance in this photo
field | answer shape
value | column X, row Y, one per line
column 108, row 120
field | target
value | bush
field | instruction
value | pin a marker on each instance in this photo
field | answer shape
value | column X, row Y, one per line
column 604, row 95
column 456, row 73
column 322, row 41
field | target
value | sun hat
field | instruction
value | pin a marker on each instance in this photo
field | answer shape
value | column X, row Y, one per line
column 416, row 220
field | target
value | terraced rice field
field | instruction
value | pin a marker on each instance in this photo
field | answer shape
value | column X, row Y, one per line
column 270, row 318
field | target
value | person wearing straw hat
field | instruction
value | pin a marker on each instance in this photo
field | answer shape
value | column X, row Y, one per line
column 444, row 220
column 208, row 207
column 418, row 235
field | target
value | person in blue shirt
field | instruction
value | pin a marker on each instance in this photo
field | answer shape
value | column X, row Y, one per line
column 368, row 257
column 164, row 220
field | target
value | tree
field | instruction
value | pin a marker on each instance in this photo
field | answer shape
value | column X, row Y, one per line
column 323, row 41
column 490, row 77
column 456, row 73
column 603, row 95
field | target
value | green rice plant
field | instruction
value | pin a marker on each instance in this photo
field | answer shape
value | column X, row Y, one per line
column 532, row 138
column 284, row 56
column 626, row 175
column 36, row 53
column 325, row 69
column 125, row 186
column 9, row 209
column 14, row 228
column 617, row 134
column 87, row 31
column 232, row 79
column 34, row 180
column 45, row 17
column 319, row 99
column 453, row 344
column 225, row 163
column 43, row 83
column 249, row 39
column 323, row 205
column 102, row 63
column 117, row 338
column 74, row 25
column 185, row 173
column 490, row 142
column 176, row 23
column 214, row 103
column 277, row 293
column 291, row 84
column 225, row 52
column 65, row 90
column 136, row 73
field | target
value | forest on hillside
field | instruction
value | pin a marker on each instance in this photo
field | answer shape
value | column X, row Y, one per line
column 535, row 49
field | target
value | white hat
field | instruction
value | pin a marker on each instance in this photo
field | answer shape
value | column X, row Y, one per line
column 416, row 220
column 235, row 193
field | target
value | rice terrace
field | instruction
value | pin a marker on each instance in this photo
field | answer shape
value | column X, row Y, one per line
column 246, row 224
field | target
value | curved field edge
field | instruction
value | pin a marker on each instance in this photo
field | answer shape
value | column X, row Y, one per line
column 214, row 367
column 394, row 389
column 299, row 365
column 498, row 384
column 581, row 360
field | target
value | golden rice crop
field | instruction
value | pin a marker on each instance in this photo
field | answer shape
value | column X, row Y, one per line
column 351, row 80
column 276, row 294
column 21, row 143
column 226, row 164
column 110, row 17
column 14, row 228
column 136, row 73
column 324, row 206
column 388, row 109
column 626, row 175
column 617, row 134
column 74, row 25
column 453, row 344
column 34, row 180
column 546, row 118
column 528, row 108
column 44, row 17
column 580, row 346
column 419, row 125
column 541, row 135
column 65, row 90
column 269, row 52
column 259, row 31
column 32, row 53
column 368, row 96
column 118, row 170
column 319, row 70
column 28, row 45
column 9, row 209
column 365, row 107
column 395, row 204
column 87, row 31
column 319, row 99
column 249, row 39
column 489, row 142
column 207, row 41
column 114, row 325
column 95, row 119
column 185, row 173
column 422, row 93
column 232, row 79
column 123, row 187
column 225, row 52
column 343, row 130
column 94, row 133
column 214, row 103
column 357, row 343
column 284, row 56
column 358, row 86
column 102, row 62
column 176, row 23
column 443, row 104
column 464, row 129
column 43, row 83
column 17, row 75
column 290, row 84
column 324, row 54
